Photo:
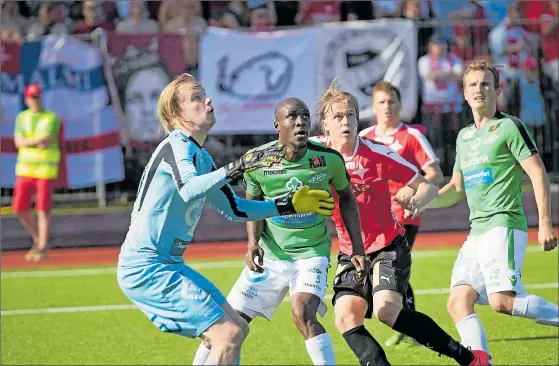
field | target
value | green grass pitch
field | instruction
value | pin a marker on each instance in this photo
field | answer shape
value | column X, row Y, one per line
column 71, row 316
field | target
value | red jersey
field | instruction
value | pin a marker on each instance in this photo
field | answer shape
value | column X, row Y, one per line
column 370, row 168
column 413, row 146
column 551, row 40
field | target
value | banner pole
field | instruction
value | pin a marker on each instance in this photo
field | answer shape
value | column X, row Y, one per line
column 100, row 189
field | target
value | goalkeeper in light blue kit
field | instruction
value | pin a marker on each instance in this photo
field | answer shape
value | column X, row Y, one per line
column 176, row 183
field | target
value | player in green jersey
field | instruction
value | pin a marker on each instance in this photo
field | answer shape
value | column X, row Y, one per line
column 491, row 156
column 293, row 252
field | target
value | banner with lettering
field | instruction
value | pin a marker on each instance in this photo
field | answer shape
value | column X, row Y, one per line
column 71, row 76
column 248, row 74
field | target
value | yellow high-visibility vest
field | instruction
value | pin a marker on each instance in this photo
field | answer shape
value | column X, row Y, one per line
column 35, row 162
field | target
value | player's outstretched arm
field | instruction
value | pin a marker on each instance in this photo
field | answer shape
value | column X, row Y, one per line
column 350, row 215
column 303, row 201
column 533, row 166
column 451, row 193
column 194, row 186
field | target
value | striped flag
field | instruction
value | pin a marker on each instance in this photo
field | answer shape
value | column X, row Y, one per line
column 70, row 73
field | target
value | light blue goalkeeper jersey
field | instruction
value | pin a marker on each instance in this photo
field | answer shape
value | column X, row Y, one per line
column 175, row 185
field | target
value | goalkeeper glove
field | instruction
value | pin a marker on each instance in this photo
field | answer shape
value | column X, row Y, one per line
column 254, row 160
column 306, row 201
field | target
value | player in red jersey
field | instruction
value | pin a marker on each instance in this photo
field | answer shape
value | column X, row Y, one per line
column 370, row 166
column 413, row 146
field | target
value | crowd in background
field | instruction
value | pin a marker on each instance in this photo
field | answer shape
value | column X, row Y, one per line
column 522, row 37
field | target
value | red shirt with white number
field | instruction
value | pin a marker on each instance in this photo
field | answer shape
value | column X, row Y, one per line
column 371, row 167
column 413, row 146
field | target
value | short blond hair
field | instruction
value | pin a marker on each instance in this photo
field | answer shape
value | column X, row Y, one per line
column 168, row 107
column 331, row 96
column 388, row 88
column 482, row 65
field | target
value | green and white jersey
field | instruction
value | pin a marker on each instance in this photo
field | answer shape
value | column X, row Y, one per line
column 489, row 161
column 297, row 236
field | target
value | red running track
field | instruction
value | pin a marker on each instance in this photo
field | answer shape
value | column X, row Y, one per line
column 201, row 251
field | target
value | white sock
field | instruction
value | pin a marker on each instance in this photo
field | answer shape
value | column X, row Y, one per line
column 534, row 307
column 472, row 333
column 320, row 350
column 201, row 355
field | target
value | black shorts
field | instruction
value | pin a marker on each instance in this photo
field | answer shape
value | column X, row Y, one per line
column 411, row 232
column 394, row 273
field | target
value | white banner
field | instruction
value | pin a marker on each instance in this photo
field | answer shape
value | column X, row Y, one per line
column 248, row 74
column 360, row 54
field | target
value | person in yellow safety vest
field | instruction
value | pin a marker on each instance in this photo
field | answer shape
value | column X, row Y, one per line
column 36, row 138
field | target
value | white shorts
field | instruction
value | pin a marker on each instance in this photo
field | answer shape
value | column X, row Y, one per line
column 491, row 262
column 261, row 293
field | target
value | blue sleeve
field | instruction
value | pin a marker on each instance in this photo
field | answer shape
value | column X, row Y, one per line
column 235, row 208
column 191, row 184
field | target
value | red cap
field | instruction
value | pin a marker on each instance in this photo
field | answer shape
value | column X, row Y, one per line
column 531, row 63
column 461, row 30
column 32, row 90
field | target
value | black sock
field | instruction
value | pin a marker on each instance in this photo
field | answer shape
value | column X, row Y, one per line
column 365, row 347
column 424, row 330
column 410, row 299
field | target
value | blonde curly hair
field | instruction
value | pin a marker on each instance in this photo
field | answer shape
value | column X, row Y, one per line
column 331, row 96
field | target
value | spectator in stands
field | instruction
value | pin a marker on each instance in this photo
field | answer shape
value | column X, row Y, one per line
column 315, row 12
column 447, row 11
column 262, row 14
column 440, row 73
column 495, row 10
column 286, row 12
column 240, row 9
column 36, row 138
column 10, row 32
column 10, row 17
column 525, row 99
column 420, row 12
column 170, row 9
column 137, row 22
column 509, row 43
column 463, row 47
column 531, row 11
column 478, row 25
column 93, row 17
column 357, row 10
column 50, row 21
column 390, row 8
column 549, row 29
column 224, row 18
column 190, row 25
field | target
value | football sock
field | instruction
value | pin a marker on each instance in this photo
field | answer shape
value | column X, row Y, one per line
column 201, row 355
column 365, row 347
column 410, row 299
column 320, row 350
column 534, row 307
column 425, row 331
column 472, row 333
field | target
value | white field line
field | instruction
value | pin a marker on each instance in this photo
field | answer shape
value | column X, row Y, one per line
column 77, row 309
column 200, row 265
